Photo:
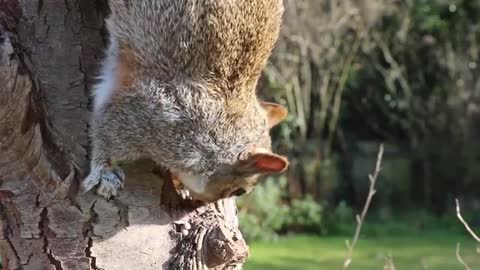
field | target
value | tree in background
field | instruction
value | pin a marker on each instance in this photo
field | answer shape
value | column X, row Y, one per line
column 311, row 65
column 417, row 86
column 402, row 72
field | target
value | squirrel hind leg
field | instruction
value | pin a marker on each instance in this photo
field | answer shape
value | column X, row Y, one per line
column 107, row 180
column 111, row 182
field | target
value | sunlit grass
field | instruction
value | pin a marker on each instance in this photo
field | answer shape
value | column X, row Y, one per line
column 432, row 252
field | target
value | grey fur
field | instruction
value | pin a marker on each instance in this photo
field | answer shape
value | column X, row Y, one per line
column 191, row 103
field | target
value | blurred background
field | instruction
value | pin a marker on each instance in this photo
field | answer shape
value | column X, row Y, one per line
column 355, row 74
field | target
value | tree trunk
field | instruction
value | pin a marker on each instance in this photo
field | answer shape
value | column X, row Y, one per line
column 49, row 52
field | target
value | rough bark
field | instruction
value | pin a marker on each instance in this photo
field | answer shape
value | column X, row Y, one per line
column 49, row 52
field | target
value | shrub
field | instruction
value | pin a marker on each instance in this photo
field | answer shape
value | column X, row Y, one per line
column 305, row 215
column 264, row 214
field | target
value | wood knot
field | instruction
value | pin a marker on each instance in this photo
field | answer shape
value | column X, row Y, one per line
column 224, row 247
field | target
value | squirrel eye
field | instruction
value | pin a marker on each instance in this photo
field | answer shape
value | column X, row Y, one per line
column 242, row 155
column 238, row 192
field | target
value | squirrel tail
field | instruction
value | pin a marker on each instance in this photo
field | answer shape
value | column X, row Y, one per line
column 168, row 36
column 143, row 28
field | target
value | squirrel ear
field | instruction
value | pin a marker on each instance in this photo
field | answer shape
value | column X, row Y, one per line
column 276, row 113
column 260, row 161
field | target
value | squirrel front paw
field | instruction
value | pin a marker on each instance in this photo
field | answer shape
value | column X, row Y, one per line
column 108, row 181
column 185, row 194
column 180, row 189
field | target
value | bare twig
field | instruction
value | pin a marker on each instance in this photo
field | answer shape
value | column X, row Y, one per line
column 459, row 258
column 424, row 264
column 459, row 215
column 469, row 230
column 360, row 218
column 389, row 265
column 347, row 67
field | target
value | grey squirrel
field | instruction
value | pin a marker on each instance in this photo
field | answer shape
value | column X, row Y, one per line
column 178, row 87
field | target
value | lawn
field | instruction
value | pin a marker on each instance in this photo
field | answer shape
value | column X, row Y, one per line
column 432, row 252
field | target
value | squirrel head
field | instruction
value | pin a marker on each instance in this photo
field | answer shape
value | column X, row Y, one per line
column 239, row 175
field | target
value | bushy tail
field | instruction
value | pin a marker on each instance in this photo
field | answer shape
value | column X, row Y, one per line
column 148, row 28
column 216, row 36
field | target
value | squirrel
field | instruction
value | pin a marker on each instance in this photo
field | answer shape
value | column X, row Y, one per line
column 178, row 86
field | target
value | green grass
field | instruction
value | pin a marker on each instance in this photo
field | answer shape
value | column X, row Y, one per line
column 437, row 252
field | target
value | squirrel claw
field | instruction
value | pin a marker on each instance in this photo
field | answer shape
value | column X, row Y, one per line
column 181, row 190
column 111, row 183
column 108, row 181
column 185, row 194
column 185, row 227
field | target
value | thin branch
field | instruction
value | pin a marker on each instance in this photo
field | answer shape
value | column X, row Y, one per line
column 424, row 264
column 459, row 258
column 361, row 218
column 389, row 264
column 338, row 92
column 467, row 227
column 459, row 215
